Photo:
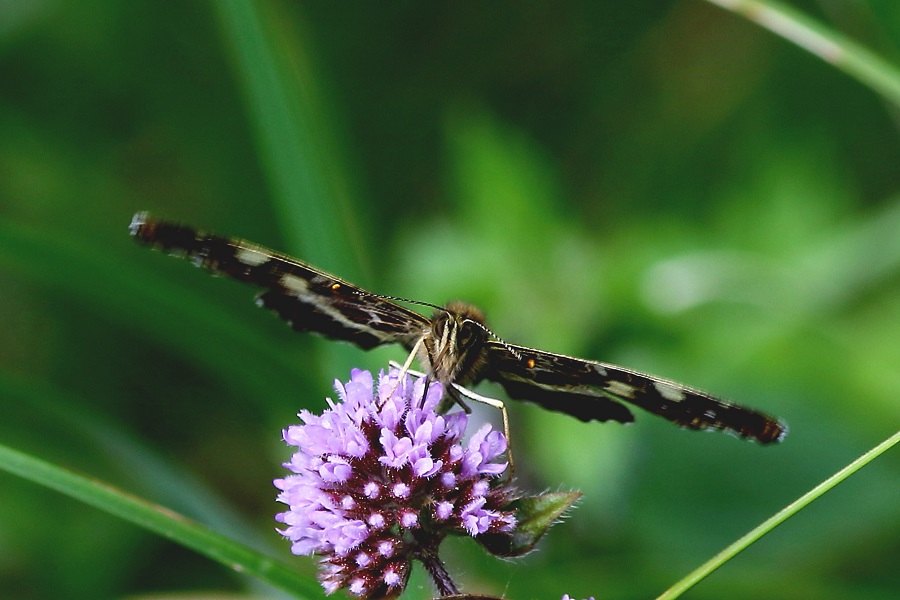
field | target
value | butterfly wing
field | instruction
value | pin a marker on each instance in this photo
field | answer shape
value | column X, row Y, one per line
column 316, row 301
column 592, row 390
column 307, row 298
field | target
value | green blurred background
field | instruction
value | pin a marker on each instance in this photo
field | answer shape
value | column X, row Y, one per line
column 661, row 185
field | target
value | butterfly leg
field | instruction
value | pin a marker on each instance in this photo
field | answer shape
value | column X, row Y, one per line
column 450, row 393
column 412, row 355
column 496, row 404
column 458, row 391
column 404, row 368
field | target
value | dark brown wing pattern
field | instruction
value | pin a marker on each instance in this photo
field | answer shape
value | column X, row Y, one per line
column 307, row 298
column 592, row 390
column 313, row 300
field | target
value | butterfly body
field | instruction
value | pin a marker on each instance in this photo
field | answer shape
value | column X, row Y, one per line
column 454, row 344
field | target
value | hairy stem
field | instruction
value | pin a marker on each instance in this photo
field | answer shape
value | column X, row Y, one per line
column 439, row 574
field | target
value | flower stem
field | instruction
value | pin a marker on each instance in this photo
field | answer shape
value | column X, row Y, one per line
column 439, row 574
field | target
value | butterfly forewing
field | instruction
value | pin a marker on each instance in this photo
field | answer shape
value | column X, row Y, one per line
column 588, row 390
column 307, row 298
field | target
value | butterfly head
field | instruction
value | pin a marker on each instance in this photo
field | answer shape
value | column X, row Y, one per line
column 455, row 343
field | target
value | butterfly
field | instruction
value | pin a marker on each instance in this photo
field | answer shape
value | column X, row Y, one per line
column 454, row 344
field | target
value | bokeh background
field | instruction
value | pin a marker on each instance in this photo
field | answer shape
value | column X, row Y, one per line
column 657, row 184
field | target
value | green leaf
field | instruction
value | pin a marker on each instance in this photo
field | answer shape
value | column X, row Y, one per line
column 159, row 520
column 535, row 515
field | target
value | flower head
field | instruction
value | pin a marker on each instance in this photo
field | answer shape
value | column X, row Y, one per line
column 380, row 478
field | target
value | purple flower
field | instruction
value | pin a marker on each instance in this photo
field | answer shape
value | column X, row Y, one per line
column 380, row 478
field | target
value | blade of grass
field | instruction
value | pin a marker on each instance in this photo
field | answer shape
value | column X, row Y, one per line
column 311, row 191
column 61, row 414
column 274, row 64
column 850, row 57
column 160, row 521
column 777, row 519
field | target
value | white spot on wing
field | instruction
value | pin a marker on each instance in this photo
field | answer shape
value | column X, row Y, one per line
column 617, row 388
column 294, row 284
column 251, row 256
column 137, row 221
column 669, row 391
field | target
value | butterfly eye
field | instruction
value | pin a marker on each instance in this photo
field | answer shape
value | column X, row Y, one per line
column 468, row 334
column 438, row 327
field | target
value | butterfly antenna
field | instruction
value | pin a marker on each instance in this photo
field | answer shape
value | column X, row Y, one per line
column 502, row 342
column 484, row 327
column 401, row 299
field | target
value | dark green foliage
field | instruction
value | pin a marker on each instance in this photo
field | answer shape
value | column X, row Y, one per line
column 658, row 185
